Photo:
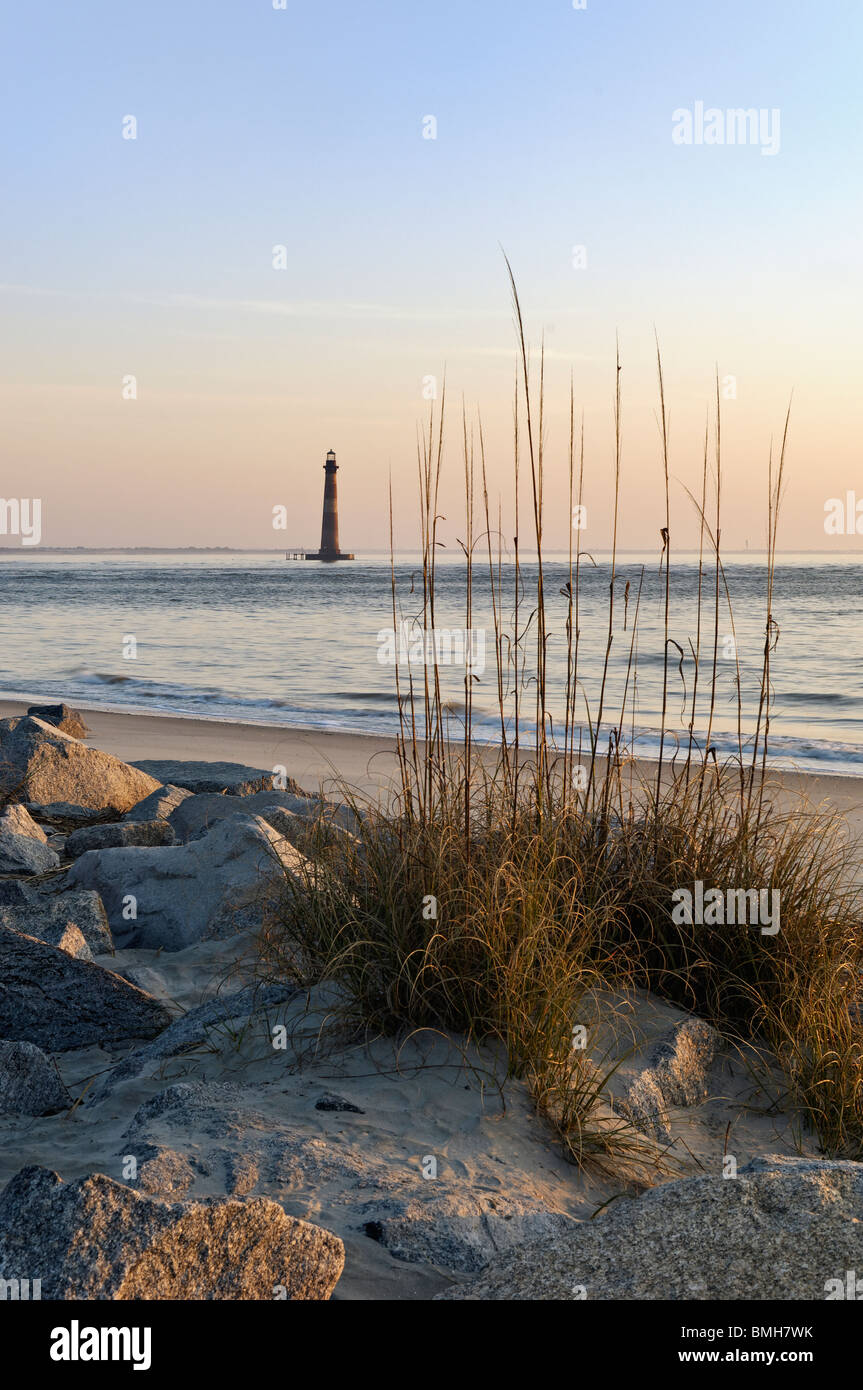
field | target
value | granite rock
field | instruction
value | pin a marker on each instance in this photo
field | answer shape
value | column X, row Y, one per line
column 784, row 1228
column 58, row 1002
column 95, row 1238
column 40, row 763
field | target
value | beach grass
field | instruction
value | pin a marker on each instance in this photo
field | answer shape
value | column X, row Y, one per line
column 503, row 887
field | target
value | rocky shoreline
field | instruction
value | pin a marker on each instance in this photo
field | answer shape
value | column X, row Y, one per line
column 172, row 1127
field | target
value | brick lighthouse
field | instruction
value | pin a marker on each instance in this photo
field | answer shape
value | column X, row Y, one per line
column 330, row 525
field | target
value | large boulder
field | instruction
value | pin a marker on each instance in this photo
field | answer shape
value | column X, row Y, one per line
column 40, row 763
column 58, row 1002
column 29, row 1082
column 51, row 919
column 213, row 887
column 57, row 932
column 14, row 892
column 784, row 1228
column 17, row 820
column 158, row 805
column 198, row 814
column 23, row 845
column 119, row 835
column 21, row 855
column 62, row 717
column 97, row 1239
column 235, row 779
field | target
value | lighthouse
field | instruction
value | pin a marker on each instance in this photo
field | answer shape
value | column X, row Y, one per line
column 330, row 524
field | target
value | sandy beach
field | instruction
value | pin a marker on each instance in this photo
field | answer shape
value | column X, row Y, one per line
column 344, row 1130
column 318, row 759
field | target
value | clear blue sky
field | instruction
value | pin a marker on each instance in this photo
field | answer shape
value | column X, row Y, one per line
column 303, row 127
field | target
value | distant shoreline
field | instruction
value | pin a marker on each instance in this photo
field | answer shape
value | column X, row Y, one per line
column 33, row 552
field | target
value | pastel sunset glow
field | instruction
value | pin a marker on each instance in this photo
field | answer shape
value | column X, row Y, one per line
column 307, row 227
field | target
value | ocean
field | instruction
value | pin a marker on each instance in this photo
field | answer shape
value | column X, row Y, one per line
column 260, row 639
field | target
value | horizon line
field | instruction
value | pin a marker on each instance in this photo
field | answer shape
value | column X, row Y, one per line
column 34, row 551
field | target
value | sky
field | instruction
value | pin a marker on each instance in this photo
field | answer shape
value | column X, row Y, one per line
column 168, row 378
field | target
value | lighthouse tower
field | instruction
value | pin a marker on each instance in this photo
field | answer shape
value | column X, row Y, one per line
column 330, row 524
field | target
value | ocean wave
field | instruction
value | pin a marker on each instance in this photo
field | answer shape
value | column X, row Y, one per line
column 814, row 697
column 328, row 715
column 254, row 640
